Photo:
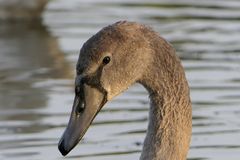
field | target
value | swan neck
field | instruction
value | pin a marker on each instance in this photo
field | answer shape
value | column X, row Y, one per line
column 170, row 116
column 169, row 130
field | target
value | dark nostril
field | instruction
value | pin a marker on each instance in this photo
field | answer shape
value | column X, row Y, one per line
column 80, row 108
column 79, row 104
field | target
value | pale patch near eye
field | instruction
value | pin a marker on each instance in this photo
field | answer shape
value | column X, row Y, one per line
column 113, row 92
column 109, row 93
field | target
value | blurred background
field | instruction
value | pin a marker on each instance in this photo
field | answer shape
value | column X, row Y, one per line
column 39, row 46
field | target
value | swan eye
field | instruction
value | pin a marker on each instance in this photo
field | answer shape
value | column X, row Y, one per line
column 106, row 60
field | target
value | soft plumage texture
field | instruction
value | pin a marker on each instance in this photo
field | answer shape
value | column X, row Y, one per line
column 139, row 55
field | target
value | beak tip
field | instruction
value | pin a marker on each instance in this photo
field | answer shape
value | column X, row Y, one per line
column 61, row 147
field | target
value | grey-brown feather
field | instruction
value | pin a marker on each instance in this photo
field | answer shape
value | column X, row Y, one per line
column 140, row 55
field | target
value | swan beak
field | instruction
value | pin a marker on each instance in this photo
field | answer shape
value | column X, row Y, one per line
column 84, row 110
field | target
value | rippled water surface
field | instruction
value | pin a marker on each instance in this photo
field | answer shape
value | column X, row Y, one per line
column 37, row 70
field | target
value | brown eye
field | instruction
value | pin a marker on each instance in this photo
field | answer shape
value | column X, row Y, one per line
column 106, row 60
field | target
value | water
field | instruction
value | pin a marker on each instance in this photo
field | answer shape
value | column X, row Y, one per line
column 37, row 70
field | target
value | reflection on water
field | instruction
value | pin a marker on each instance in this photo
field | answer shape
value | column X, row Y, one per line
column 28, row 54
column 37, row 64
column 30, row 65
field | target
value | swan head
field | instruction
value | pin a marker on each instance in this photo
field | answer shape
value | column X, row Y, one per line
column 109, row 62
